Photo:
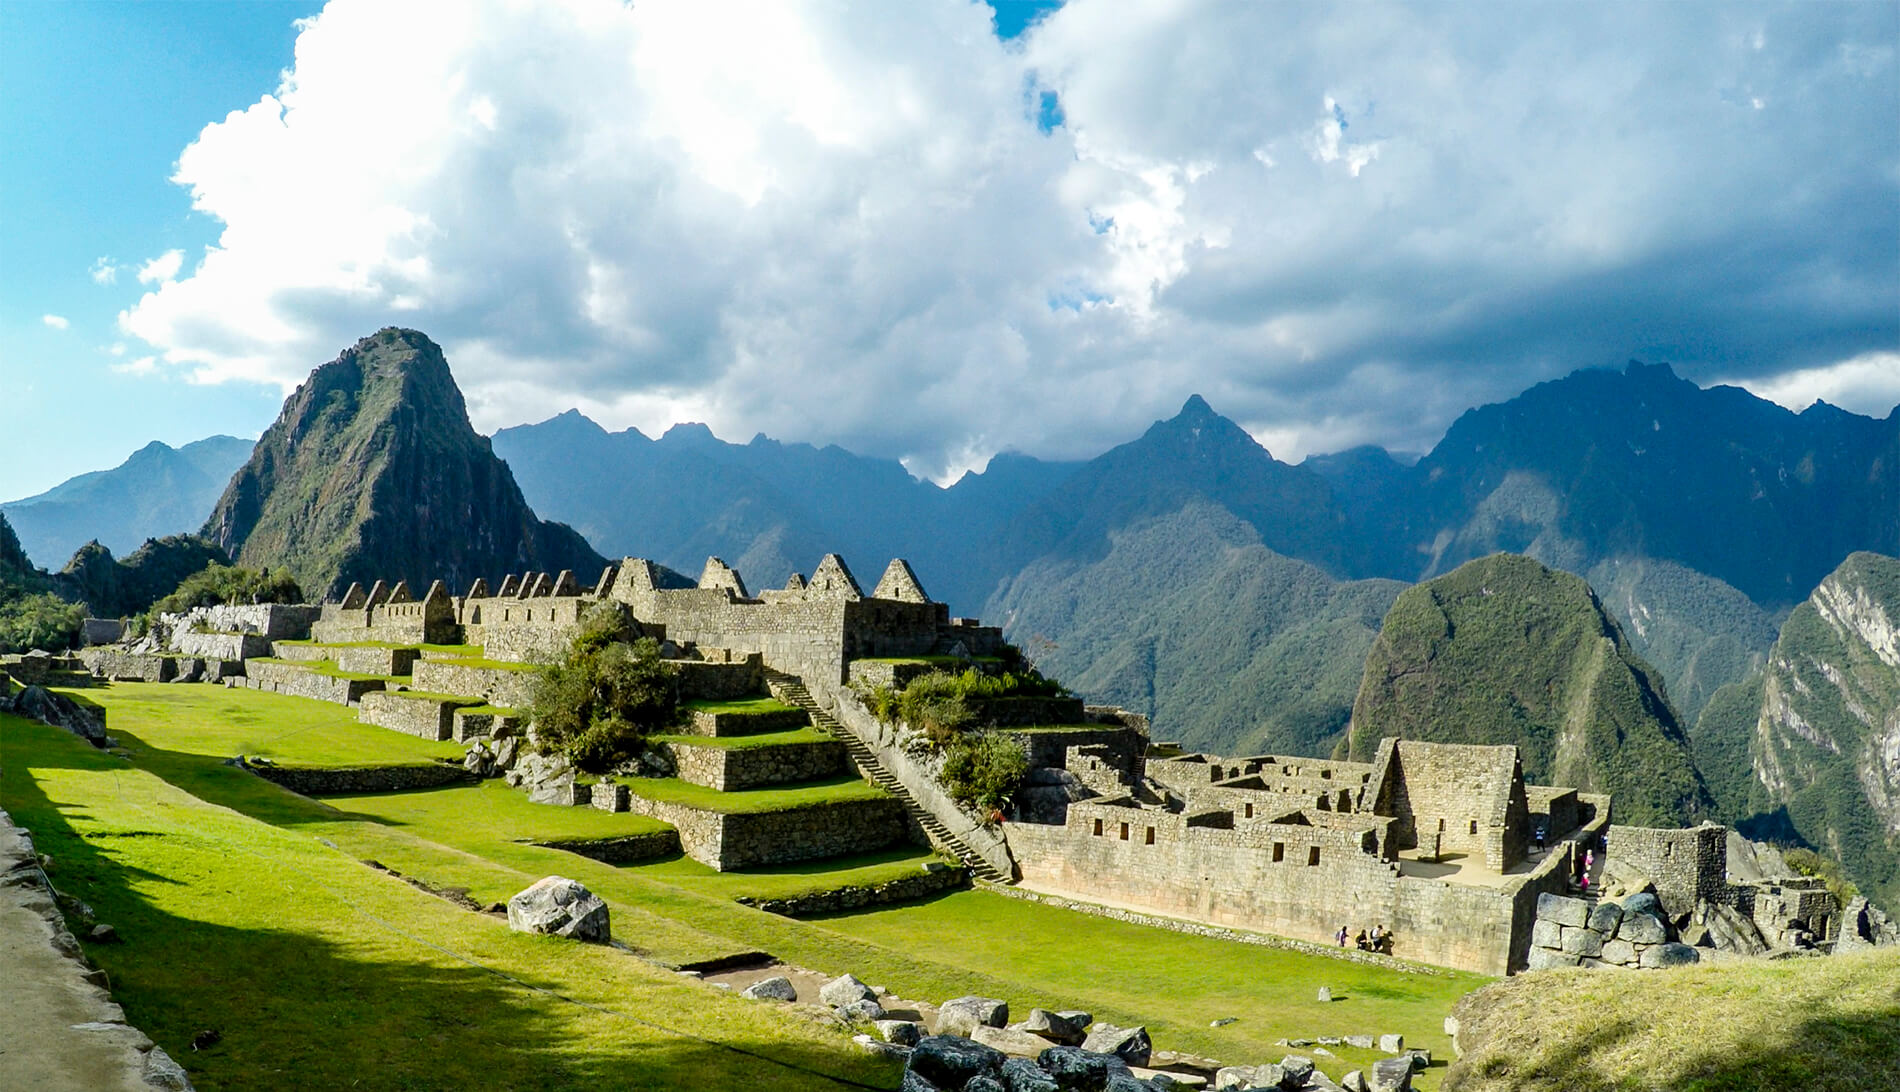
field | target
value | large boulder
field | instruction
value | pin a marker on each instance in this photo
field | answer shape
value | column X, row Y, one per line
column 1011, row 1040
column 1076, row 1068
column 1023, row 1075
column 1606, row 917
column 949, row 1061
column 1670, row 955
column 1392, row 1074
column 1641, row 928
column 41, row 704
column 842, row 991
column 1131, row 1045
column 964, row 1015
column 560, row 907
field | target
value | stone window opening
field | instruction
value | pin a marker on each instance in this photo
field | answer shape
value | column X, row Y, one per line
column 1124, row 832
column 1312, row 855
column 1441, row 826
column 1279, row 852
column 1474, row 826
column 1151, row 836
column 1250, row 811
column 1098, row 828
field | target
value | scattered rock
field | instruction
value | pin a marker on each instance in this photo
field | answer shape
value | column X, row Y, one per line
column 1392, row 1075
column 558, row 906
column 1057, row 1028
column 1023, row 1075
column 1131, row 1045
column 1077, row 1017
column 1355, row 1082
column 1294, row 1071
column 161, row 1072
column 776, row 988
column 1074, row 1067
column 1421, row 1058
column 1325, row 996
column 1669, row 955
column 900, row 1032
column 1224, row 1021
column 1234, row 1076
column 1391, row 1044
column 950, row 1061
column 963, row 1015
column 1359, row 1042
column 864, row 1009
column 842, row 991
column 103, row 934
column 1012, row 1041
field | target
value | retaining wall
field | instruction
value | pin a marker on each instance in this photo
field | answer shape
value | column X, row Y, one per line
column 732, row 768
column 727, row 842
column 510, row 689
column 220, row 646
column 303, row 683
column 354, row 781
column 927, row 882
column 627, row 849
column 430, row 718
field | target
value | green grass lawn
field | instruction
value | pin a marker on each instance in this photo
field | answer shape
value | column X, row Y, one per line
column 763, row 739
column 671, row 790
column 236, row 874
column 742, row 705
column 323, row 667
column 217, row 723
column 459, row 700
column 482, row 661
column 321, row 973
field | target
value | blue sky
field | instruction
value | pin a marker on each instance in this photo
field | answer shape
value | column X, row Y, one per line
column 96, row 101
column 932, row 231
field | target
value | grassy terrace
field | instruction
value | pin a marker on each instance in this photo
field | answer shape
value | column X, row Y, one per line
column 481, row 661
column 211, row 874
column 743, row 705
column 763, row 739
column 429, row 695
column 671, row 790
column 445, row 650
column 321, row 667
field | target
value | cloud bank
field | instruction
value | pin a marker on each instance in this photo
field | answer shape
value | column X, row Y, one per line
column 879, row 225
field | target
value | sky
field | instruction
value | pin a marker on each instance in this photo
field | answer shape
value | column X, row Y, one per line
column 936, row 230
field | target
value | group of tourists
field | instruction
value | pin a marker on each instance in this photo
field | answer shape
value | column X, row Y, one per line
column 1378, row 940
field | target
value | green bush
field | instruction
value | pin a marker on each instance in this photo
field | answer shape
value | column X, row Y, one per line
column 984, row 769
column 1809, row 863
column 219, row 585
column 39, row 620
column 939, row 704
column 597, row 705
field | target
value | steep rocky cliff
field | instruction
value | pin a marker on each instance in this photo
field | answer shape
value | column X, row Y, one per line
column 1504, row 650
column 372, row 471
column 1826, row 742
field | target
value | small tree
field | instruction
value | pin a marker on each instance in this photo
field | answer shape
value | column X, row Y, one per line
column 38, row 620
column 984, row 770
column 597, row 705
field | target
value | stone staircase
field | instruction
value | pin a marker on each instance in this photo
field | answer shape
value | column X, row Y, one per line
column 792, row 690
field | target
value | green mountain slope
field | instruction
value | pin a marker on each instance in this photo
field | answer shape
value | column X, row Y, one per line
column 1701, row 633
column 1825, row 742
column 158, row 491
column 1504, row 650
column 373, row 472
column 1188, row 617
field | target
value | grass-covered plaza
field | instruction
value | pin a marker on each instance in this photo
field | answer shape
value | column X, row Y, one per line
column 248, row 909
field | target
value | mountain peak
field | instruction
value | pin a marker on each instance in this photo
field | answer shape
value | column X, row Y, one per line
column 1196, row 406
column 689, row 432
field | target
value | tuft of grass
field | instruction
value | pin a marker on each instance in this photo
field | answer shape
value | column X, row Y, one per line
column 459, row 700
column 323, row 667
column 1721, row 1027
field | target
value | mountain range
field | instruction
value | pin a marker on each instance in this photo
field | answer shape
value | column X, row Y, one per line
column 160, row 490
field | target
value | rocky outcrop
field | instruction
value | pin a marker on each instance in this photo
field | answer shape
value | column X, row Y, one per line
column 88, row 722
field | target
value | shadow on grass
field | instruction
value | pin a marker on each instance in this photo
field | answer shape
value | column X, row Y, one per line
column 210, row 780
column 301, row 1009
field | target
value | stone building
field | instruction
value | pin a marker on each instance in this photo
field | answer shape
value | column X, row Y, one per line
column 1430, row 841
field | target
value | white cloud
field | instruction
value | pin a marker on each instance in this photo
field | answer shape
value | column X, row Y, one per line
column 846, row 225
column 57, row 322
column 162, row 269
column 1867, row 384
column 144, row 365
column 105, row 271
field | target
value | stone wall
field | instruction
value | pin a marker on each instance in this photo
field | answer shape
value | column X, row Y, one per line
column 918, row 776
column 730, row 769
column 355, row 781
column 626, row 849
column 702, row 680
column 746, row 724
column 303, row 683
column 468, row 724
column 220, row 646
column 1686, row 865
column 925, row 883
column 429, row 718
column 373, row 660
column 110, row 663
column 726, row 842
column 1124, row 746
column 511, row 689
column 276, row 621
column 1460, row 798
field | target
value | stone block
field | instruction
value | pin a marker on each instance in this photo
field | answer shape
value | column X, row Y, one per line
column 1605, row 917
column 963, row 1015
column 1618, row 952
column 1359, row 1042
column 1669, row 955
column 558, row 906
column 1547, row 934
column 1543, row 959
column 1563, row 909
column 1582, row 942
column 949, row 1061
column 1055, row 1027
column 1392, row 1075
column 900, row 1032
column 1019, row 1044
column 1642, row 928
column 1131, row 1045
column 776, row 988
column 844, row 990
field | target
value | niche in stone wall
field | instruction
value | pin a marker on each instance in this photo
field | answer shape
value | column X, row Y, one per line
column 1312, row 855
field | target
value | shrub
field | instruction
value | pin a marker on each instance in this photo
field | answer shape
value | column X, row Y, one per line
column 1809, row 863
column 984, row 769
column 218, row 585
column 39, row 620
column 938, row 704
column 597, row 705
